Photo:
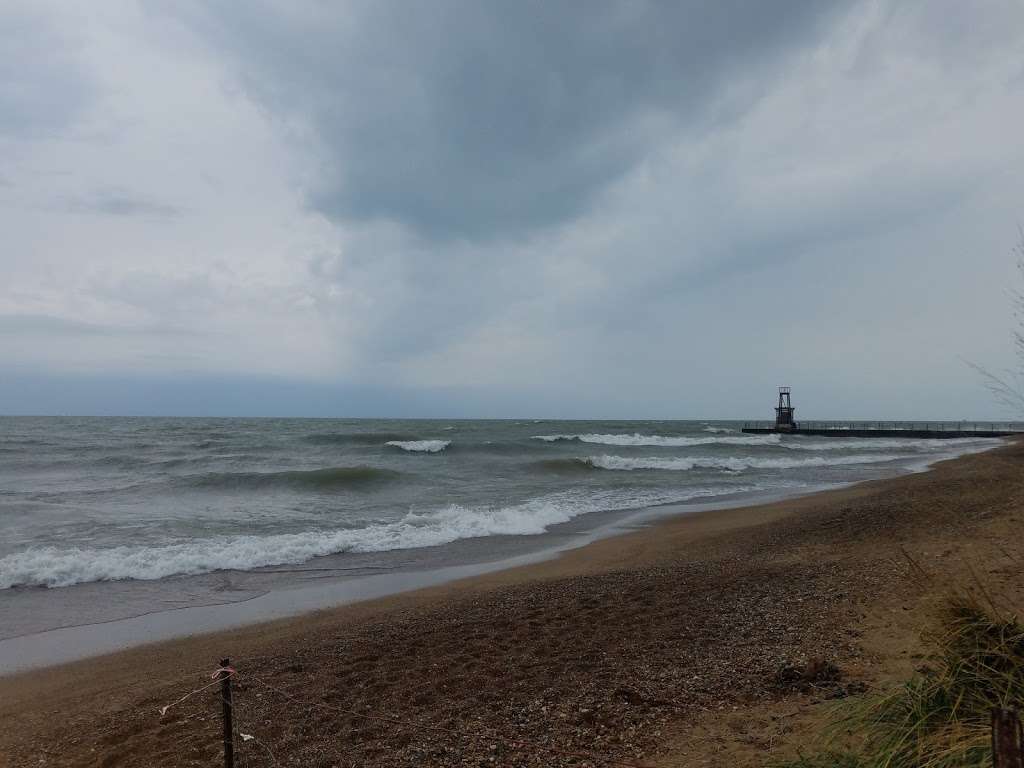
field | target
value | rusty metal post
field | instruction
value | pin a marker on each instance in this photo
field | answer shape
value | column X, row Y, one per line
column 1007, row 739
column 225, row 697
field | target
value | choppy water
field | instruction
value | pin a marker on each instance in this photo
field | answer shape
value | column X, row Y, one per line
column 87, row 500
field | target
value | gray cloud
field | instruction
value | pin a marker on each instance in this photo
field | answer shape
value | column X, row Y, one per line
column 463, row 119
column 48, row 325
column 116, row 202
column 43, row 90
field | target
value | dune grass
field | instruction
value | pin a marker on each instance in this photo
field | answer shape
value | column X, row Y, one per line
column 941, row 717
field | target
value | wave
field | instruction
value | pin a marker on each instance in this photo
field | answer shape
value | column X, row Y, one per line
column 310, row 479
column 732, row 463
column 61, row 567
column 662, row 441
column 717, row 430
column 800, row 443
column 420, row 446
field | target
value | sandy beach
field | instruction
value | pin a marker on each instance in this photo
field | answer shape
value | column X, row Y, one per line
column 680, row 644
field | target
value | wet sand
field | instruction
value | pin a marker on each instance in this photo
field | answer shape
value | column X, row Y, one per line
column 642, row 648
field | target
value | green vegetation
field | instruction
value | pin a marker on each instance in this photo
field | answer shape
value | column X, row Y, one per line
column 941, row 717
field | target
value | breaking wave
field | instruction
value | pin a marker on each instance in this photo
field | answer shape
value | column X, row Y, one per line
column 885, row 443
column 61, row 567
column 312, row 479
column 420, row 446
column 662, row 441
column 732, row 464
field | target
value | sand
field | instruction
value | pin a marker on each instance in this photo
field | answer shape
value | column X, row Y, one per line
column 685, row 643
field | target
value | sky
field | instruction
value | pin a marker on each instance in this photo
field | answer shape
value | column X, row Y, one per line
column 479, row 208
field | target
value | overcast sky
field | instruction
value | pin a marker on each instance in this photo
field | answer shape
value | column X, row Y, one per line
column 578, row 209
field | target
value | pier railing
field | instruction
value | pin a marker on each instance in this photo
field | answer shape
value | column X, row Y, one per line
column 898, row 426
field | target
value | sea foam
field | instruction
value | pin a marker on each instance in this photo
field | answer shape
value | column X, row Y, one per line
column 663, row 441
column 801, row 443
column 731, row 463
column 420, row 446
column 61, row 567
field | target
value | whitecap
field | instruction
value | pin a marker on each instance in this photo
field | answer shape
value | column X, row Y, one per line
column 729, row 463
column 801, row 443
column 663, row 441
column 420, row 446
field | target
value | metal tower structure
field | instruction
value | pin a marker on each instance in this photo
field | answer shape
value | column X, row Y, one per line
column 784, row 412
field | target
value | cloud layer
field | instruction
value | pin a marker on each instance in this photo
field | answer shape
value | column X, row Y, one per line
column 644, row 209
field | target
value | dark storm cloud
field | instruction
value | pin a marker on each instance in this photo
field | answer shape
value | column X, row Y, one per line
column 468, row 119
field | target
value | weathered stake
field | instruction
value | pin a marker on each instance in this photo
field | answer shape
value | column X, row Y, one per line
column 225, row 696
column 1007, row 739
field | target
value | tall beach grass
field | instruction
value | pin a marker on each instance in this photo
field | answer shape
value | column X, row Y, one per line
column 940, row 717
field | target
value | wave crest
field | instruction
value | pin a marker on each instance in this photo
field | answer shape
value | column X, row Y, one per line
column 420, row 446
column 663, row 441
column 801, row 443
column 731, row 464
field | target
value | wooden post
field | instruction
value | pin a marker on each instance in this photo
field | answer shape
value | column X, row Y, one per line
column 225, row 697
column 1007, row 747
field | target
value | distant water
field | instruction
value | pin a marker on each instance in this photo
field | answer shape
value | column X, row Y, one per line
column 87, row 500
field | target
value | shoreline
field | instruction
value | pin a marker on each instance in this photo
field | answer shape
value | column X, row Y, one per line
column 701, row 553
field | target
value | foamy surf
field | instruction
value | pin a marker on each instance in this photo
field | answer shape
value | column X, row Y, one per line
column 420, row 446
column 62, row 567
column 661, row 440
column 731, row 463
column 800, row 443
